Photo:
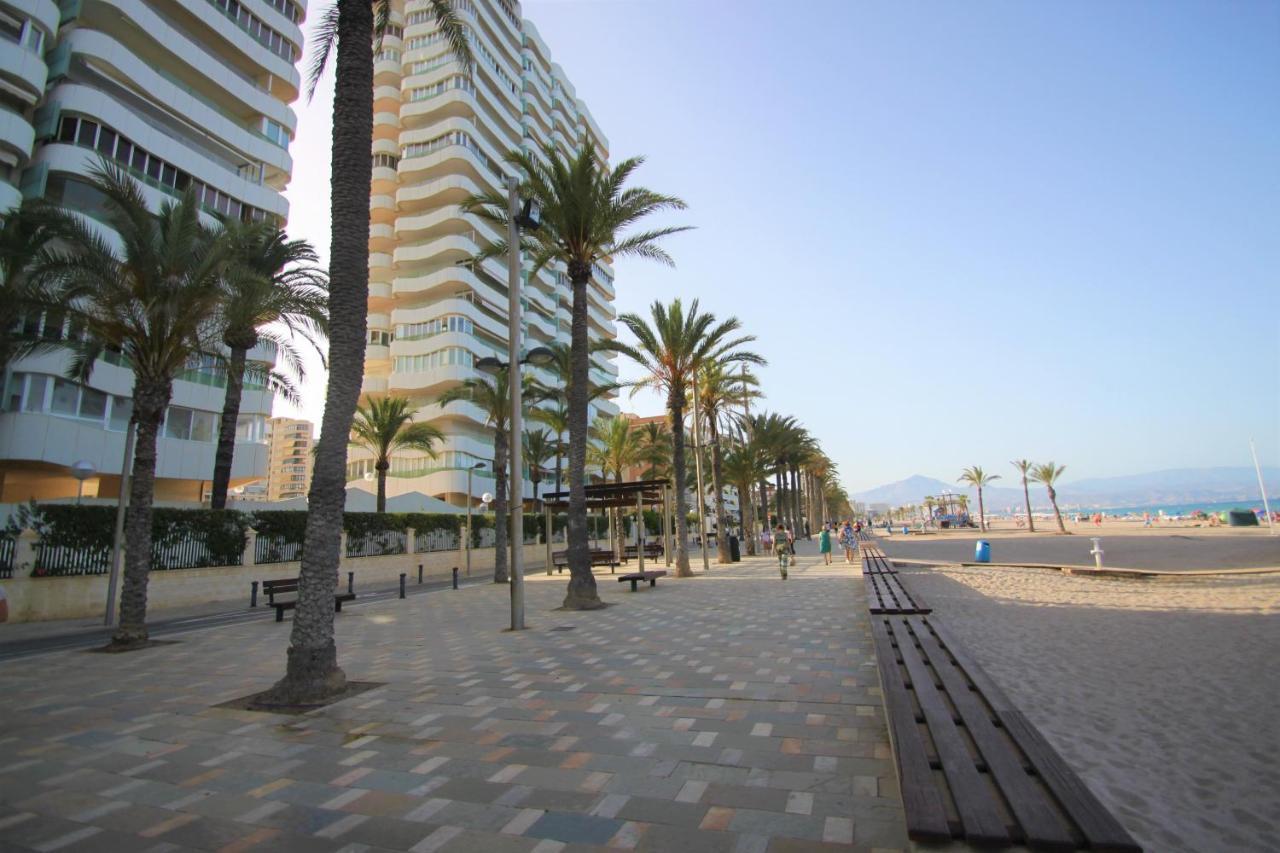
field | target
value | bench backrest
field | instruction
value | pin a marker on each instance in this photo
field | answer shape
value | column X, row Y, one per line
column 286, row 585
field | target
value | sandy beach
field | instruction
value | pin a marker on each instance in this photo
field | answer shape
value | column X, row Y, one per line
column 1162, row 695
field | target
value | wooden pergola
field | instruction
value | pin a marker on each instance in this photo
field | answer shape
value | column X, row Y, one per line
column 602, row 496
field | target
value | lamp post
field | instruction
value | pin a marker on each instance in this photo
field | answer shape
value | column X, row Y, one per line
column 117, row 540
column 82, row 470
column 468, row 545
column 697, row 461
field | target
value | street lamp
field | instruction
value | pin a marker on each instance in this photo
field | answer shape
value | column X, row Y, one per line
column 82, row 470
column 468, row 545
column 529, row 217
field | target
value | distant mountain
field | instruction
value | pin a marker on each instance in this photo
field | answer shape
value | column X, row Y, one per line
column 1172, row 486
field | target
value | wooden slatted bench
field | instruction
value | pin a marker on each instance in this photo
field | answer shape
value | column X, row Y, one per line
column 599, row 557
column 970, row 765
column 652, row 550
column 273, row 588
column 637, row 577
column 887, row 592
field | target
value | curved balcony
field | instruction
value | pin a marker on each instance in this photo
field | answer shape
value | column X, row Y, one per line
column 382, row 237
column 373, row 385
column 379, row 291
column 10, row 196
column 385, row 179
column 250, row 48
column 379, row 263
column 386, row 99
column 441, row 340
column 444, row 222
column 451, row 189
column 374, row 353
column 386, row 72
column 386, row 125
column 382, row 208
column 24, row 71
column 16, row 136
column 441, row 251
column 432, row 380
column 450, row 305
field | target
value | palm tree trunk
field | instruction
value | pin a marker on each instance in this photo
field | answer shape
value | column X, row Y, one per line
column 227, row 428
column 778, row 502
column 500, row 514
column 675, row 408
column 717, row 483
column 1026, row 496
column 582, row 593
column 982, row 514
column 1053, row 499
column 149, row 402
column 313, row 672
column 797, row 519
column 764, row 502
column 747, row 506
column 381, row 469
column 559, row 454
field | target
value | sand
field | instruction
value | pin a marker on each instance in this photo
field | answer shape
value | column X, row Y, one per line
column 1162, row 695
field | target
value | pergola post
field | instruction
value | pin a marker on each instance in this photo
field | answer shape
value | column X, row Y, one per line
column 546, row 537
column 640, row 529
column 666, row 525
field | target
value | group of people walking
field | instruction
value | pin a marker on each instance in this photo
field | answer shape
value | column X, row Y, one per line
column 782, row 541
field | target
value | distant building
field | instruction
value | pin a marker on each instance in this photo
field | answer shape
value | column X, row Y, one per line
column 290, row 443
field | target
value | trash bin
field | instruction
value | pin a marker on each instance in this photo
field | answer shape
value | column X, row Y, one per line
column 982, row 551
column 735, row 555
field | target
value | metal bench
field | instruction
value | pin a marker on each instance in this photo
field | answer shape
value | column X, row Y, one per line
column 637, row 577
column 273, row 588
column 970, row 765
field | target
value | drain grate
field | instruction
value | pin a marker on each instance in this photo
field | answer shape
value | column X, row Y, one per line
column 563, row 628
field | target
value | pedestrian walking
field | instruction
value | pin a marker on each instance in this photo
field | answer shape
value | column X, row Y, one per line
column 783, row 549
column 849, row 541
column 824, row 544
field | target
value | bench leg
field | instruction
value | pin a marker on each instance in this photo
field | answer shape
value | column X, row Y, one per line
column 633, row 585
column 279, row 614
column 653, row 581
column 337, row 605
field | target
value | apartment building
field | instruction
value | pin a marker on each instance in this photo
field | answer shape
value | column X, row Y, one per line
column 440, row 136
column 184, row 94
column 289, row 463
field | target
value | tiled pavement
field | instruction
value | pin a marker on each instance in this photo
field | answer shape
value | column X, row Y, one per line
column 729, row 712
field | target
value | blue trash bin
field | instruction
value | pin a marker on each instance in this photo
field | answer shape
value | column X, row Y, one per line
column 982, row 551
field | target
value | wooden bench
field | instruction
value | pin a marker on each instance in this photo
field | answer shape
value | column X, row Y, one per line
column 599, row 557
column 652, row 551
column 886, row 591
column 274, row 588
column 970, row 765
column 637, row 577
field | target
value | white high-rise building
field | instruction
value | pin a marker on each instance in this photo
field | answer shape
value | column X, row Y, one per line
column 184, row 94
column 438, row 138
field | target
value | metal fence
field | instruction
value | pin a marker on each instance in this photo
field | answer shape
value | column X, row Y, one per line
column 276, row 549
column 65, row 561
column 436, row 540
column 377, row 544
column 6, row 557
column 190, row 553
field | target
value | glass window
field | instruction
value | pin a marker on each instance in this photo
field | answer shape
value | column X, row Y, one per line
column 13, row 391
column 124, row 150
column 139, row 159
column 154, row 165
column 10, row 27
column 107, row 141
column 88, row 131
column 34, row 401
column 93, row 404
column 177, row 423
column 121, row 411
column 67, row 133
column 202, row 426
column 169, row 175
column 66, row 397
column 35, row 39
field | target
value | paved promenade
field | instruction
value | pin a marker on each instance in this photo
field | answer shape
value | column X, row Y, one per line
column 729, row 712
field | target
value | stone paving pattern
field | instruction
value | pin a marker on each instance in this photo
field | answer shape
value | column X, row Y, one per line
column 729, row 712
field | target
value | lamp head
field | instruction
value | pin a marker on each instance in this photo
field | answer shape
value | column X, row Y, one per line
column 530, row 216
column 539, row 357
column 478, row 465
column 490, row 364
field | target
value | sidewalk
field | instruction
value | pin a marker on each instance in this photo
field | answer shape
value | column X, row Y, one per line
column 728, row 712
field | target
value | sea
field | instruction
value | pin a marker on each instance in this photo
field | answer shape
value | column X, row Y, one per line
column 1175, row 509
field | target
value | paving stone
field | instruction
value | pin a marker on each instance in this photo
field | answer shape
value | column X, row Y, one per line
column 574, row 828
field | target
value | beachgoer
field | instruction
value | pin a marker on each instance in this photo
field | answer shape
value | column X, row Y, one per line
column 766, row 540
column 824, row 544
column 783, row 550
column 849, row 542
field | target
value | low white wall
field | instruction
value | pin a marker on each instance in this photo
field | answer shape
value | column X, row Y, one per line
column 39, row 599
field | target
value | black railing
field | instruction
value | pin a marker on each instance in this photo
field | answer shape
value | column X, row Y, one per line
column 67, row 561
column 190, row 553
column 377, row 544
column 6, row 557
column 276, row 549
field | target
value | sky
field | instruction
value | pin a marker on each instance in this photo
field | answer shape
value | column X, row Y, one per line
column 961, row 233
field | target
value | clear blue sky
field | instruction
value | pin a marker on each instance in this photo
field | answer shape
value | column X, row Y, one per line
column 961, row 232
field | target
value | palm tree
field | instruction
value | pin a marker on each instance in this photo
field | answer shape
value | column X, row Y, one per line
column 1048, row 474
column 385, row 426
column 538, row 448
column 975, row 476
column 615, row 447
column 155, row 305
column 586, row 208
column 491, row 395
column 347, row 27
column 720, row 392
column 270, row 280
column 671, row 351
column 655, row 450
column 746, row 464
column 1024, row 467
column 555, row 418
column 26, row 235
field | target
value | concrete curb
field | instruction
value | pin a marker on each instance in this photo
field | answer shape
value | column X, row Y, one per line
column 1116, row 572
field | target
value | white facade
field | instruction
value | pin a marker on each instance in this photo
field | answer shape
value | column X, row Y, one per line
column 438, row 138
column 185, row 94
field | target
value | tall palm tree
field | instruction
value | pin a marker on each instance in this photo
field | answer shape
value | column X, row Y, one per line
column 270, row 280
column 671, row 349
column 27, row 233
column 538, row 448
column 721, row 392
column 385, row 426
column 1024, row 467
column 347, row 28
column 746, row 464
column 615, row 447
column 975, row 476
column 556, row 418
column 156, row 305
column 587, row 212
column 1048, row 473
column 491, row 395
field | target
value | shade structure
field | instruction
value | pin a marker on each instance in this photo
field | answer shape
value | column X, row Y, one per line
column 610, row 495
